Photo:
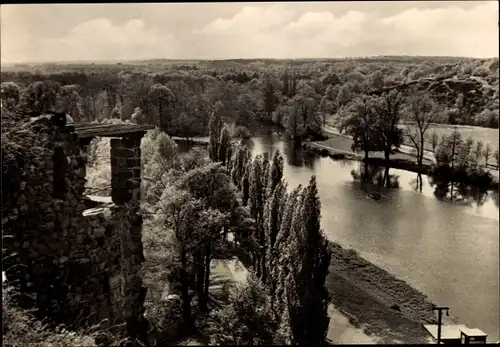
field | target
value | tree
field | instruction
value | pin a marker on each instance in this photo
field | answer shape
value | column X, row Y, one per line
column 344, row 96
column 212, row 187
column 10, row 94
column 295, row 127
column 161, row 97
column 328, row 104
column 275, row 172
column 225, row 143
column 434, row 140
column 272, row 220
column 311, row 257
column 478, row 152
column 448, row 154
column 279, row 268
column 376, row 80
column 178, row 212
column 248, row 108
column 388, row 113
column 215, row 131
column 360, row 124
column 487, row 153
column 40, row 96
column 305, row 102
column 241, row 157
column 70, row 101
column 157, row 170
column 256, row 203
column 269, row 95
column 246, row 319
column 422, row 112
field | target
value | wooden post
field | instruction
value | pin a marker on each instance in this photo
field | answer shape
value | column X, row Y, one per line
column 440, row 320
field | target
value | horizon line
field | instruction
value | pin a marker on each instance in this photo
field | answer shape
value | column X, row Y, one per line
column 114, row 61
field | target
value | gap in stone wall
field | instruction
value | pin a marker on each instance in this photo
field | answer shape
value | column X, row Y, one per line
column 98, row 175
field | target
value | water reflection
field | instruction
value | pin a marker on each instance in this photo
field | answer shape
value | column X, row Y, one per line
column 494, row 197
column 376, row 175
column 417, row 183
column 294, row 155
column 458, row 193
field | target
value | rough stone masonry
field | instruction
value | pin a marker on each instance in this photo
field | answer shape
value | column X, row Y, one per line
column 78, row 266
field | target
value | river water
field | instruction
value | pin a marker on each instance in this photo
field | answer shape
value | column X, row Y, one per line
column 449, row 252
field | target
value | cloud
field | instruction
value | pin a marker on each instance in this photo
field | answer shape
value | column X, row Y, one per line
column 285, row 30
column 441, row 31
column 100, row 39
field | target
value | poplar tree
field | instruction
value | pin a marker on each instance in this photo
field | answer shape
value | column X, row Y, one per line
column 272, row 221
column 279, row 268
column 214, row 131
column 256, row 204
column 310, row 257
column 225, row 143
column 275, row 172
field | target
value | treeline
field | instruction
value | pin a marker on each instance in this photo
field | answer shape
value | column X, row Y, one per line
column 194, row 203
column 464, row 161
column 300, row 98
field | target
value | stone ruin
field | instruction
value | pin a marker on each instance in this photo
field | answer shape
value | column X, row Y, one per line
column 78, row 259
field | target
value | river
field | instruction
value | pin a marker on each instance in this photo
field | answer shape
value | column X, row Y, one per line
column 449, row 252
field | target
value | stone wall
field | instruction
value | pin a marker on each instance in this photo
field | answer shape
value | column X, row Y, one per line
column 77, row 266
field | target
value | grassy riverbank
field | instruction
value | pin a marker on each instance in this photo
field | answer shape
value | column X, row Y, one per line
column 335, row 148
column 388, row 309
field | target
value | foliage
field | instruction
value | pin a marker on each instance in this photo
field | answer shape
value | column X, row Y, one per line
column 215, row 131
column 225, row 143
column 422, row 112
column 21, row 328
column 360, row 124
column 246, row 319
column 310, row 259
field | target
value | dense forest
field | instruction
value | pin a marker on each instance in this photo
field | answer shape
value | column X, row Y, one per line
column 300, row 95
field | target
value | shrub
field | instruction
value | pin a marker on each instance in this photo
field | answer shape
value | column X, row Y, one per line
column 21, row 328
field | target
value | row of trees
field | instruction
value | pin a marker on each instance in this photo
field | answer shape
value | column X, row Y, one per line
column 194, row 204
column 374, row 122
column 459, row 160
column 292, row 256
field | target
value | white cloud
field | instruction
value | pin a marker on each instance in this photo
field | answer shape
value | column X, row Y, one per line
column 442, row 31
column 101, row 39
column 285, row 30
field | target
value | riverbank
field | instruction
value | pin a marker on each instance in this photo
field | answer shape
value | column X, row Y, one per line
column 371, row 305
column 328, row 148
column 388, row 309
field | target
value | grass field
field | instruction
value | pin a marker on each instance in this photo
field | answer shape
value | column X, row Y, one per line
column 342, row 143
column 486, row 135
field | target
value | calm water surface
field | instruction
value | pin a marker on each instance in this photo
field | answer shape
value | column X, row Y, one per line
column 449, row 252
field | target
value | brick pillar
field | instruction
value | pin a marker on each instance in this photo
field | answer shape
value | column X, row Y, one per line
column 125, row 169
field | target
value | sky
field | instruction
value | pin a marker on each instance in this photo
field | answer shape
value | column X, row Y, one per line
column 76, row 32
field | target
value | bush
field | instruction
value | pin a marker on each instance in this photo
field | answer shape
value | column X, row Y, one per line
column 21, row 328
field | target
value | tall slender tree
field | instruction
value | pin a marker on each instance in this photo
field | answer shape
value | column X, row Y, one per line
column 214, row 131
column 311, row 258
column 225, row 143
